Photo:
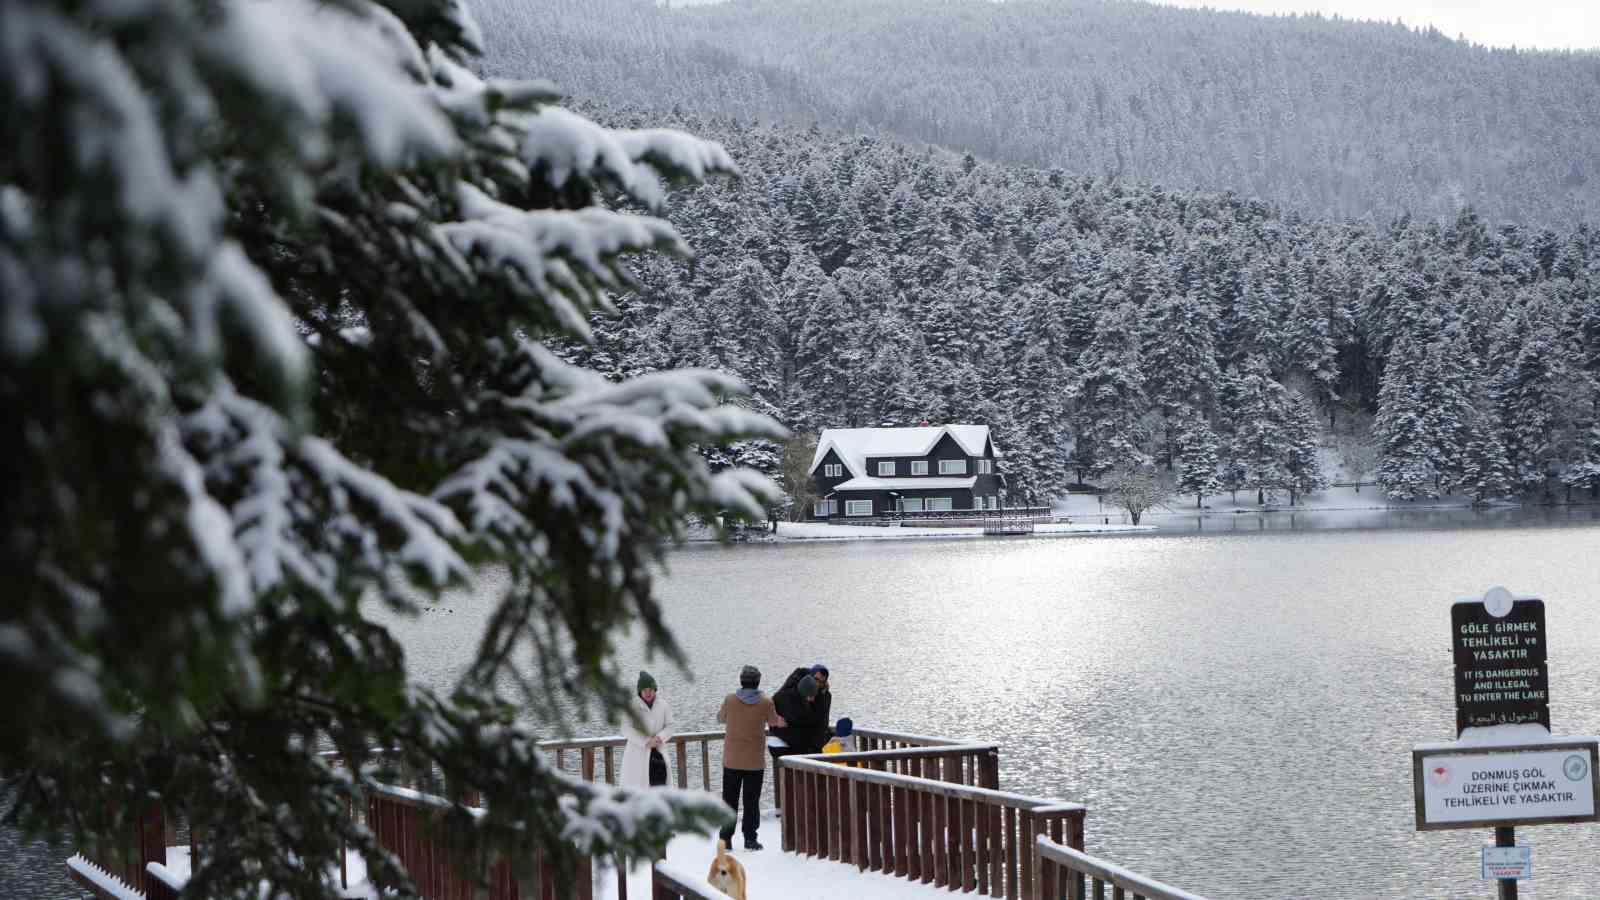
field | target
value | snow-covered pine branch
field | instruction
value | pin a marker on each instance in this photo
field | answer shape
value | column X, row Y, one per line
column 274, row 282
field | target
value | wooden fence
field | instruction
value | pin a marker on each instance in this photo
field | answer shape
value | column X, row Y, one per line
column 926, row 809
column 951, row 835
column 415, row 828
column 124, row 860
column 670, row 882
column 1065, row 873
column 600, row 759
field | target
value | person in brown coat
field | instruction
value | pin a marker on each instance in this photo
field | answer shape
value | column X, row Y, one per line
column 746, row 712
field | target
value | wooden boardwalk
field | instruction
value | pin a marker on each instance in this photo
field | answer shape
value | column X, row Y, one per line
column 905, row 813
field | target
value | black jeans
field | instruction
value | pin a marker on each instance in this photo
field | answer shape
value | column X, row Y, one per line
column 748, row 782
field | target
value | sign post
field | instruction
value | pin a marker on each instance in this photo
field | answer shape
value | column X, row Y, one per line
column 1504, row 769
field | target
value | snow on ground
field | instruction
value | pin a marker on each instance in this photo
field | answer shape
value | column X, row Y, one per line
column 772, row 874
column 819, row 531
column 1088, row 507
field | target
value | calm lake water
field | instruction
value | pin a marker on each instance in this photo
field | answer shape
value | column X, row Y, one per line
column 1235, row 705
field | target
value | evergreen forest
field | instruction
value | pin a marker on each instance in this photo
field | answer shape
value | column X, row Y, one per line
column 1323, row 116
column 1097, row 323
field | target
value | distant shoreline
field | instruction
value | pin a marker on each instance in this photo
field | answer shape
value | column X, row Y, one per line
column 1089, row 518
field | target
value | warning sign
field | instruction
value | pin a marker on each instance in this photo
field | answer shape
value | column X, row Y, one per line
column 1506, row 785
column 1500, row 654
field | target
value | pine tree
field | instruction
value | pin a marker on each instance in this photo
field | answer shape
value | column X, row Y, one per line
column 1108, row 395
column 1260, row 434
column 1302, row 466
column 1486, row 473
column 1405, row 448
column 281, row 285
column 1197, row 458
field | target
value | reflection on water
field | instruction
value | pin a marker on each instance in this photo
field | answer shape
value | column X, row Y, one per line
column 1237, row 710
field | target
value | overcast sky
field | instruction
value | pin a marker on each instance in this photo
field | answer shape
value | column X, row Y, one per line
column 1547, row 24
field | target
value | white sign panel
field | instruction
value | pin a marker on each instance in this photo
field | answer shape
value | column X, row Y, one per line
column 1508, row 862
column 1514, row 785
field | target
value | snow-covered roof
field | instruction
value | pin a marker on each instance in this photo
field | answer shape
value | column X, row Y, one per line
column 854, row 445
column 918, row 483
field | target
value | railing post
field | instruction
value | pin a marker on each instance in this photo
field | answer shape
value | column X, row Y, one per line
column 152, row 846
column 791, row 810
column 1044, row 876
column 683, row 762
column 1026, row 857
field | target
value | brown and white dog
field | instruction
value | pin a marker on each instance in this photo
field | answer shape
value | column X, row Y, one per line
column 726, row 874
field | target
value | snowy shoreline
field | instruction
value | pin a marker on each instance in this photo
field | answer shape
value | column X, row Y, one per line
column 1088, row 517
column 816, row 531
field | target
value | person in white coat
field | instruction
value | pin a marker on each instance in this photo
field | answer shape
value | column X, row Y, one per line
column 652, row 732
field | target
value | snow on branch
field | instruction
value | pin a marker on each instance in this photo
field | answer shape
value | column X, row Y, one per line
column 568, row 146
column 290, row 484
column 427, row 527
column 354, row 59
column 558, row 254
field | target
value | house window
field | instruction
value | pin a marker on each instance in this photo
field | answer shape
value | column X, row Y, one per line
column 826, row 508
column 939, row 504
column 919, row 467
column 952, row 467
column 911, row 504
column 886, row 469
column 858, row 507
column 994, row 502
column 832, row 470
column 985, row 466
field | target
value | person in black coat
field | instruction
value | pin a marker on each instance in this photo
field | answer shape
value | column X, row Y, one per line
column 805, row 702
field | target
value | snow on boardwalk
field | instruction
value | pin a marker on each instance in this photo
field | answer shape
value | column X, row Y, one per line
column 772, row 873
column 817, row 531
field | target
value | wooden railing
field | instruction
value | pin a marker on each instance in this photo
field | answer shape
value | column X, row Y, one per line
column 601, row 756
column 877, row 739
column 668, row 882
column 974, row 764
column 950, row 835
column 126, row 858
column 412, row 826
column 1065, row 873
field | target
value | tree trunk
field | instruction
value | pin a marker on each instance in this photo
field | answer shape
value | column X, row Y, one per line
column 1134, row 515
column 1197, row 499
column 1261, row 496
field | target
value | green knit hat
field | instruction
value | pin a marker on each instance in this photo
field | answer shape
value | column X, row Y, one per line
column 646, row 680
column 808, row 687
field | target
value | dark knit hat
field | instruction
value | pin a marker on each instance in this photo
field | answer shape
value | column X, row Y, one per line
column 820, row 669
column 749, row 677
column 808, row 687
column 646, row 680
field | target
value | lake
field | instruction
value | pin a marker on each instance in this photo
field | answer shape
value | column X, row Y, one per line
column 1236, row 706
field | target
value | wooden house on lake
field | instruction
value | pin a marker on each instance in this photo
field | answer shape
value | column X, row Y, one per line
column 862, row 472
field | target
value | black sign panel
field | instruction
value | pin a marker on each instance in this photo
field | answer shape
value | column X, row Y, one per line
column 1501, row 676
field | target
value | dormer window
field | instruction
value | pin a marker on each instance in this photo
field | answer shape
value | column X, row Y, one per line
column 886, row 468
column 985, row 467
column 952, row 467
column 832, row 470
column 919, row 467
